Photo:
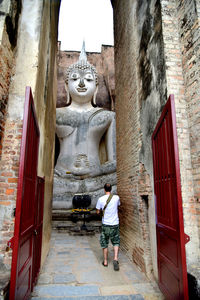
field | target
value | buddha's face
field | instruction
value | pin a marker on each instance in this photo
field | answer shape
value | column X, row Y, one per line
column 81, row 85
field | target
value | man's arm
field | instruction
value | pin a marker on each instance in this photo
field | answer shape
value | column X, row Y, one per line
column 98, row 207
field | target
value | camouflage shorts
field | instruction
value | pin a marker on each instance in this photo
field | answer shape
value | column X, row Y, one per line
column 109, row 232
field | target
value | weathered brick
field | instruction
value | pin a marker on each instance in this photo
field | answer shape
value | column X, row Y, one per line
column 6, row 203
column 9, row 191
column 6, row 174
column 12, row 180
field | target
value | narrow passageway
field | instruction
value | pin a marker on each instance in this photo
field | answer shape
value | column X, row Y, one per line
column 73, row 270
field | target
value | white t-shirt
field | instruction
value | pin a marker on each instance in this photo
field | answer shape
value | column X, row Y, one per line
column 111, row 211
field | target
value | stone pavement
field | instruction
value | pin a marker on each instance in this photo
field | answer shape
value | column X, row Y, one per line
column 73, row 270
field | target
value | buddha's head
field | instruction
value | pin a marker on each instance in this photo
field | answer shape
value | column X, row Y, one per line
column 81, row 81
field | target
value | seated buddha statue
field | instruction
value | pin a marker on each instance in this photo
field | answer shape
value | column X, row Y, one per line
column 86, row 132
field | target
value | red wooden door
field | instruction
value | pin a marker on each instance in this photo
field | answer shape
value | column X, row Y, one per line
column 22, row 257
column 37, row 245
column 169, row 224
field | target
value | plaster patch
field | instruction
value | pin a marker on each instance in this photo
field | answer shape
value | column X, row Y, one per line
column 2, row 21
column 5, row 6
column 31, row 17
column 5, row 214
column 16, row 111
column 150, row 113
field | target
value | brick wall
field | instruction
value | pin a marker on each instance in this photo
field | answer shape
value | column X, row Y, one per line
column 9, row 16
column 128, row 140
column 156, row 54
column 9, row 146
column 189, row 35
column 37, row 41
column 140, row 96
column 9, row 167
column 6, row 69
column 181, row 37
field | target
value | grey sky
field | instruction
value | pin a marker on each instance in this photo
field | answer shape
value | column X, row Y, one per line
column 91, row 20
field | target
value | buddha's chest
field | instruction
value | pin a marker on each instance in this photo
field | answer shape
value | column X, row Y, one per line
column 83, row 126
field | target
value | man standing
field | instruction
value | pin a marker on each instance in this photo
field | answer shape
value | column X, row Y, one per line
column 110, row 224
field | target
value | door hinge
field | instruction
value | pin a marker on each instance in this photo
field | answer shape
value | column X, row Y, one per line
column 187, row 238
column 10, row 243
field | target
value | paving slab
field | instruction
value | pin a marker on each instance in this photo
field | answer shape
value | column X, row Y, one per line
column 117, row 290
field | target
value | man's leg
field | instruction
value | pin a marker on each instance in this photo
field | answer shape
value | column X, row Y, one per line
column 115, row 261
column 116, row 251
column 105, row 256
column 115, row 239
column 104, row 239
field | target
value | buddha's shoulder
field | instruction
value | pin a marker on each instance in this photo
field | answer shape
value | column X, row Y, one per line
column 61, row 111
column 102, row 114
column 65, row 114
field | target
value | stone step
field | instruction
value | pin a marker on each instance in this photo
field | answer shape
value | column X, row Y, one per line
column 75, row 223
column 83, row 292
column 69, row 223
column 65, row 215
column 113, row 297
column 76, row 229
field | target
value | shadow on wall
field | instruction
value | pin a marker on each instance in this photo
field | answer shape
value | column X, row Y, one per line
column 57, row 149
column 194, row 291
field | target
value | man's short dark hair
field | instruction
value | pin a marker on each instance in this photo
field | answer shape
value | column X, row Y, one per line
column 108, row 187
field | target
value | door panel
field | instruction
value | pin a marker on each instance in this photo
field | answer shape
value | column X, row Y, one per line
column 22, row 257
column 169, row 216
column 38, row 229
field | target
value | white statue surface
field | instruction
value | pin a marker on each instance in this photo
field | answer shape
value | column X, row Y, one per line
column 86, row 133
